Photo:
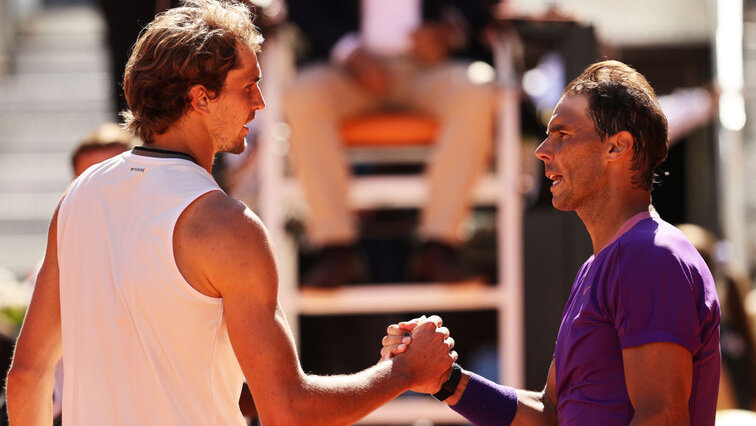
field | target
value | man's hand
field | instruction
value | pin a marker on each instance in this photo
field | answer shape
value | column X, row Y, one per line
column 429, row 359
column 416, row 331
column 369, row 71
column 399, row 336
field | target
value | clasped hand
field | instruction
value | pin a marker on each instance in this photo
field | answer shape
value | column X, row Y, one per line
column 426, row 347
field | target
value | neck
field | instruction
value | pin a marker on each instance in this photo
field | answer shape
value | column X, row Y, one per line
column 603, row 222
column 178, row 139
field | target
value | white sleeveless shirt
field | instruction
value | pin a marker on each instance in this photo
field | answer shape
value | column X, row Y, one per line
column 140, row 345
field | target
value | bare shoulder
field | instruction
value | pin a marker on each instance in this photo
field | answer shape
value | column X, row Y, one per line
column 219, row 242
column 218, row 218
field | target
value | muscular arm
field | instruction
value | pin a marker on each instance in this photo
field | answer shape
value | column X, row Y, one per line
column 659, row 378
column 222, row 246
column 39, row 347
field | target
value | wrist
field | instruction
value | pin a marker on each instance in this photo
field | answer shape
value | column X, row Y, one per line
column 486, row 402
column 449, row 387
column 401, row 373
column 455, row 397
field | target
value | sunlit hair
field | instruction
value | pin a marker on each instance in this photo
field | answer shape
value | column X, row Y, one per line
column 106, row 136
column 188, row 45
column 620, row 98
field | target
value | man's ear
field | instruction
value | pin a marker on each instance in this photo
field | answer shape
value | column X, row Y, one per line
column 199, row 98
column 619, row 145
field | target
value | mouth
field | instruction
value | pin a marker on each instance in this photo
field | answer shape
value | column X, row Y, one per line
column 554, row 178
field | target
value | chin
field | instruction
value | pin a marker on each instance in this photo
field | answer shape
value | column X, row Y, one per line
column 239, row 148
column 236, row 148
column 561, row 205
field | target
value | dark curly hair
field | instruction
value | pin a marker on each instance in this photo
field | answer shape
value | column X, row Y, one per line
column 620, row 98
column 188, row 45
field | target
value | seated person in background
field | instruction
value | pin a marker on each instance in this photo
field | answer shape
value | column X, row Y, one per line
column 106, row 141
column 389, row 54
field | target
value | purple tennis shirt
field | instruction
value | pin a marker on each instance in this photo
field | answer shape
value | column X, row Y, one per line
column 648, row 285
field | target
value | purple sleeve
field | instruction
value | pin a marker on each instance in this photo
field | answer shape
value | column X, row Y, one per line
column 487, row 403
column 655, row 298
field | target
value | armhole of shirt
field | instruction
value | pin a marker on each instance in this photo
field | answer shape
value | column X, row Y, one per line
column 190, row 288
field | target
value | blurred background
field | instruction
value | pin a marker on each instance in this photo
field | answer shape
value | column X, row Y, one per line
column 61, row 62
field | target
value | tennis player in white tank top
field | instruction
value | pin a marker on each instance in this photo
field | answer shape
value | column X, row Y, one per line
column 158, row 289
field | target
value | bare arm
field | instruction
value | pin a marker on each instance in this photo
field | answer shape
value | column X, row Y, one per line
column 221, row 245
column 659, row 378
column 538, row 408
column 39, row 347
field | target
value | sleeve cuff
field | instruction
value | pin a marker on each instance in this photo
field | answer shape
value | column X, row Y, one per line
column 487, row 403
column 688, row 342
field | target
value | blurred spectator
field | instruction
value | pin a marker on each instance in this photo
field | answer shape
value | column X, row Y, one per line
column 105, row 142
column 396, row 55
column 738, row 380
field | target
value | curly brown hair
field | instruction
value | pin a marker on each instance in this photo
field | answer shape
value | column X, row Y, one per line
column 620, row 98
column 188, row 45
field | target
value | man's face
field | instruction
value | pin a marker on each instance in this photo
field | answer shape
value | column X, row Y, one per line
column 572, row 156
column 237, row 103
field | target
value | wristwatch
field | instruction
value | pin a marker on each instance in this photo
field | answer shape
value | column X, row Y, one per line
column 450, row 386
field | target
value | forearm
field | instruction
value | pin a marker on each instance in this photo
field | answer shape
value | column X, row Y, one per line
column 533, row 408
column 342, row 399
column 29, row 397
column 487, row 403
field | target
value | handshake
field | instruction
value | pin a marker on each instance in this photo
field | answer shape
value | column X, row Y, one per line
column 423, row 349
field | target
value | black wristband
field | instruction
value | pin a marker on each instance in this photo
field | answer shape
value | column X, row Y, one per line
column 450, row 386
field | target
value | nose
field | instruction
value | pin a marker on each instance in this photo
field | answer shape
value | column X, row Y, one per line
column 258, row 101
column 543, row 152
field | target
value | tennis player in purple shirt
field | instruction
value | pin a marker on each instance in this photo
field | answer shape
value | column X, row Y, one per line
column 639, row 339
